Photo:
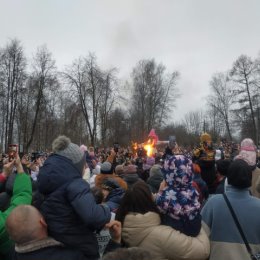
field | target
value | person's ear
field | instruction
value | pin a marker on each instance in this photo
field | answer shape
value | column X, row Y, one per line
column 43, row 223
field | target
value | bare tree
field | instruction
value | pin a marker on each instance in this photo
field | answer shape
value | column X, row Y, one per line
column 221, row 98
column 107, row 102
column 43, row 76
column 193, row 122
column 92, row 86
column 12, row 77
column 154, row 94
column 245, row 73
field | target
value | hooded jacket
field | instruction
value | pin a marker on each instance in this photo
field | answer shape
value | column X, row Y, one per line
column 114, row 198
column 69, row 207
column 163, row 242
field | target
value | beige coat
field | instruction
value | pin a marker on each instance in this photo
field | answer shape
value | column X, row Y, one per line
column 163, row 242
column 255, row 188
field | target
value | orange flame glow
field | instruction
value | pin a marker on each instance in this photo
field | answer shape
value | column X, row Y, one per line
column 149, row 147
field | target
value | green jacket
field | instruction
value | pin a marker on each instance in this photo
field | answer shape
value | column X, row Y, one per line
column 22, row 194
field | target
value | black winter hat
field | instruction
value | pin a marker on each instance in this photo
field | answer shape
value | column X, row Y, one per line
column 239, row 174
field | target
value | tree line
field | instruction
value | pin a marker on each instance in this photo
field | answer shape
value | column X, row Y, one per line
column 93, row 106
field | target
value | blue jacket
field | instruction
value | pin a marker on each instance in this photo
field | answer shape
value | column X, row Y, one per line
column 114, row 198
column 69, row 207
column 225, row 240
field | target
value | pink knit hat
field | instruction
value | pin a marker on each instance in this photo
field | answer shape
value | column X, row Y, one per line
column 248, row 152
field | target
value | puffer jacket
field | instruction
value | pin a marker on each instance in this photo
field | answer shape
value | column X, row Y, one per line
column 69, row 207
column 163, row 242
column 114, row 198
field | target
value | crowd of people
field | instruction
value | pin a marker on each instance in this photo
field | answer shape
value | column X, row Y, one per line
column 83, row 203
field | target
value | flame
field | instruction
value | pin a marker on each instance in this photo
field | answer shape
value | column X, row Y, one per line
column 149, row 147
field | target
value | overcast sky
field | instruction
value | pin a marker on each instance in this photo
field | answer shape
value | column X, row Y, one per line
column 195, row 37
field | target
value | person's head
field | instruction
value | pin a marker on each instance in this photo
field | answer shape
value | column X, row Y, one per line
column 106, row 168
column 248, row 152
column 178, row 172
column 83, row 148
column 239, row 174
column 119, row 170
column 101, row 158
column 206, row 140
column 26, row 224
column 98, row 194
column 137, row 199
column 64, row 147
column 132, row 253
column 155, row 170
column 108, row 185
column 222, row 166
column 130, row 169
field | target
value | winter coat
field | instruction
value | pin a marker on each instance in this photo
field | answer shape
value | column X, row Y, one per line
column 114, row 198
column 201, row 187
column 22, row 194
column 226, row 241
column 255, row 188
column 163, row 242
column 48, row 249
column 102, row 176
column 69, row 207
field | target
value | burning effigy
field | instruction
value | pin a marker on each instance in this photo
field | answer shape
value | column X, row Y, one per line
column 148, row 148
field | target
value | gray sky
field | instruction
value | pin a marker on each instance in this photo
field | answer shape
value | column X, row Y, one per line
column 195, row 37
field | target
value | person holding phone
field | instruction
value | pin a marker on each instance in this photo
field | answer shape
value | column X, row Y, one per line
column 22, row 194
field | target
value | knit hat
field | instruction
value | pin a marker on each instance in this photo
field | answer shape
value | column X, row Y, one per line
column 64, row 147
column 155, row 170
column 130, row 169
column 83, row 148
column 96, row 170
column 106, row 168
column 119, row 170
column 247, row 152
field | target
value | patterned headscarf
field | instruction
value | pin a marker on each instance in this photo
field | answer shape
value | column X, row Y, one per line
column 179, row 199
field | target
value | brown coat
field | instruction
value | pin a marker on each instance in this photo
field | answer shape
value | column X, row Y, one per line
column 101, row 177
column 255, row 188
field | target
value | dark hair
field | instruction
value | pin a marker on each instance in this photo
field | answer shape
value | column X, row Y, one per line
column 137, row 199
column 132, row 253
column 239, row 174
column 222, row 166
column 98, row 194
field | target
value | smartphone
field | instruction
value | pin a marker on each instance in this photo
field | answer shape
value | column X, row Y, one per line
column 12, row 151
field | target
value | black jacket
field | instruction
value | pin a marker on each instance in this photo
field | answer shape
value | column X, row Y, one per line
column 51, row 253
column 49, row 249
column 69, row 207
